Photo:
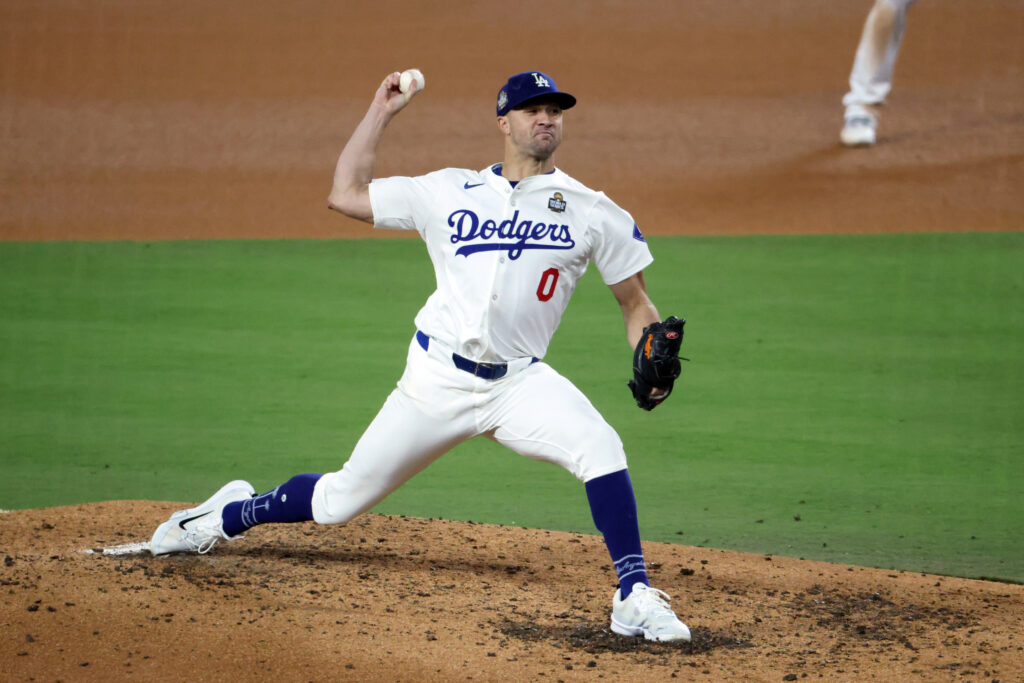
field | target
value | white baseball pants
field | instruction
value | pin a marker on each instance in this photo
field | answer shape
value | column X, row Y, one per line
column 532, row 410
column 875, row 61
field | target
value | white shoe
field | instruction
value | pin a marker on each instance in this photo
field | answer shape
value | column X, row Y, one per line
column 646, row 611
column 858, row 129
column 198, row 529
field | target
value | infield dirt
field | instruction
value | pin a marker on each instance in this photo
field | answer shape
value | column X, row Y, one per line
column 389, row 598
column 146, row 121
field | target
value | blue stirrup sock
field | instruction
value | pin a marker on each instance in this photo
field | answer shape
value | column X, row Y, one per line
column 613, row 506
column 292, row 501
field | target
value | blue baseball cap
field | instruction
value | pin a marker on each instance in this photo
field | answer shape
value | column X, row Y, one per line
column 531, row 85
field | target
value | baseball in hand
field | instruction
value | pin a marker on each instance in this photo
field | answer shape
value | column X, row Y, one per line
column 408, row 76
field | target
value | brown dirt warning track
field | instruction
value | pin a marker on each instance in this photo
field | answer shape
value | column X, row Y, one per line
column 198, row 120
column 149, row 120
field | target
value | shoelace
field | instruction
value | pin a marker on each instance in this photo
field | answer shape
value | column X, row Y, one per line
column 653, row 600
column 202, row 538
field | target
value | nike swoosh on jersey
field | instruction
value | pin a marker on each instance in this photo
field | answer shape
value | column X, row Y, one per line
column 467, row 186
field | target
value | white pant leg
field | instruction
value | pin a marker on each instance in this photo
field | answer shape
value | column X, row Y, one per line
column 543, row 416
column 535, row 412
column 875, row 60
column 406, row 435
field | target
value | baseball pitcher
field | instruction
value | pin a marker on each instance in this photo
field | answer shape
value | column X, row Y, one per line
column 508, row 243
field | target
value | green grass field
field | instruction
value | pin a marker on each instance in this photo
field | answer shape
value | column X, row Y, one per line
column 853, row 399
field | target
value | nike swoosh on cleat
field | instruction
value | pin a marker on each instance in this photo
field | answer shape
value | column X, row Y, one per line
column 183, row 522
column 467, row 186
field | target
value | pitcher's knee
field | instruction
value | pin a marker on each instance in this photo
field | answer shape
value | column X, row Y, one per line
column 341, row 496
column 600, row 453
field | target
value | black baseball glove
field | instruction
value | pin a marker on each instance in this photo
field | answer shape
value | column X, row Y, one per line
column 656, row 361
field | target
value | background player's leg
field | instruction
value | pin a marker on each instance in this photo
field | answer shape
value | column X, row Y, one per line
column 871, row 75
column 873, row 67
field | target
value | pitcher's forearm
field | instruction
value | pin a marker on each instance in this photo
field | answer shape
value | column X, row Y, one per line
column 350, row 192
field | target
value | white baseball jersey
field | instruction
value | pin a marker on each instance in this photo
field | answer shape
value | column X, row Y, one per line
column 507, row 259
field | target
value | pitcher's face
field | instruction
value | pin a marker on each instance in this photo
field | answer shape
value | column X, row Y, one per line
column 535, row 129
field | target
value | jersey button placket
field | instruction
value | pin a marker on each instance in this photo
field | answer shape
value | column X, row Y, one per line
column 499, row 263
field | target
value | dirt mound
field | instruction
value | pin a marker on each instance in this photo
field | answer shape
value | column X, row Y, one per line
column 409, row 599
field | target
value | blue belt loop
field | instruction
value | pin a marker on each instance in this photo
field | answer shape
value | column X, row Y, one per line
column 423, row 339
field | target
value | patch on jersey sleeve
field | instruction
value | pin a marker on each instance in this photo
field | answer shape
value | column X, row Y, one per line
column 637, row 235
column 557, row 203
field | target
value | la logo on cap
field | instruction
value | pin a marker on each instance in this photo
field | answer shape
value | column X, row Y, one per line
column 531, row 85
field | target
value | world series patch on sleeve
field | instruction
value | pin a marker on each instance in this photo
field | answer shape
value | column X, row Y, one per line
column 656, row 362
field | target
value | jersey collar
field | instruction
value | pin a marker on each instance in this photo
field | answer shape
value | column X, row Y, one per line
column 496, row 170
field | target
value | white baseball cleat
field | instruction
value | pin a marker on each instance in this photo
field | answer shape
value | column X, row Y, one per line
column 198, row 529
column 858, row 130
column 646, row 611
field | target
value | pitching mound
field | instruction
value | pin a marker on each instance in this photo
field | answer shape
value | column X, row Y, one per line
column 408, row 599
